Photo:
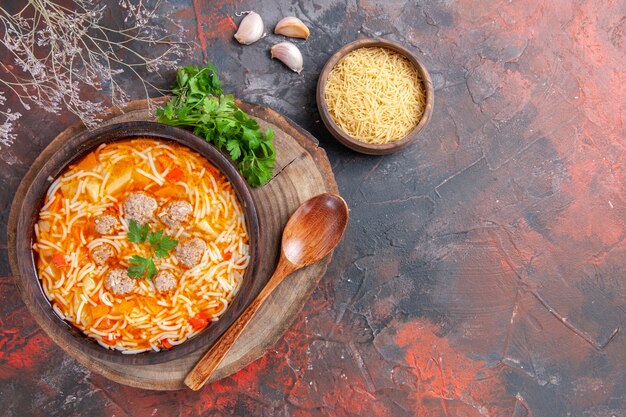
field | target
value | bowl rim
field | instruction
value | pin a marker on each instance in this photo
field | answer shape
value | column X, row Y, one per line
column 72, row 150
column 342, row 136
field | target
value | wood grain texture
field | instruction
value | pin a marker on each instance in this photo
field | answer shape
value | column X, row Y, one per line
column 311, row 233
column 461, row 251
column 302, row 171
column 210, row 361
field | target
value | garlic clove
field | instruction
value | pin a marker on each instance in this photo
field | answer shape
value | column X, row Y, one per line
column 250, row 29
column 292, row 27
column 288, row 54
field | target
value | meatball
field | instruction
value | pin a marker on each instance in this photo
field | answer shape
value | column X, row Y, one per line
column 176, row 213
column 190, row 251
column 118, row 281
column 139, row 207
column 106, row 224
column 102, row 253
column 164, row 281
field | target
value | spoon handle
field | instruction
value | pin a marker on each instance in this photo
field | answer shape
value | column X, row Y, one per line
column 203, row 370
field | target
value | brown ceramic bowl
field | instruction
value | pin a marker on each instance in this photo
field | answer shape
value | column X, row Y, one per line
column 343, row 137
column 75, row 148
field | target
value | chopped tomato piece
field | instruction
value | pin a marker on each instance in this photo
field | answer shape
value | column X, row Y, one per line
column 56, row 204
column 58, row 259
column 76, row 232
column 198, row 321
column 228, row 255
column 174, row 175
column 163, row 161
column 89, row 230
column 106, row 324
column 166, row 344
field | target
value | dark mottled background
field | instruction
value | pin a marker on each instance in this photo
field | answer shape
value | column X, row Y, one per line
column 484, row 269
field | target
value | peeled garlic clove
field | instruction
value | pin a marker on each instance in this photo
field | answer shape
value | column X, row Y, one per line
column 250, row 29
column 292, row 27
column 288, row 54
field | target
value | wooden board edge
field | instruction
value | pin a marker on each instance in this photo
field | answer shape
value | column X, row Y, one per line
column 311, row 145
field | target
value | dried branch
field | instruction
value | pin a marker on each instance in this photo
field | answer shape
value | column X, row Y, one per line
column 58, row 56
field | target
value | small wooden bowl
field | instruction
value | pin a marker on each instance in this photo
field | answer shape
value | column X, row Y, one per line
column 343, row 137
column 26, row 273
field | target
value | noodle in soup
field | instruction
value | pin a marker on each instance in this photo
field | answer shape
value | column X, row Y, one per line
column 141, row 199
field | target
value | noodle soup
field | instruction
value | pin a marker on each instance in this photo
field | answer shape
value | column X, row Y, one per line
column 141, row 245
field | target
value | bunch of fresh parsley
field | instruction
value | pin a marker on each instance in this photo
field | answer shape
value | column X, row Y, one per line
column 161, row 244
column 199, row 104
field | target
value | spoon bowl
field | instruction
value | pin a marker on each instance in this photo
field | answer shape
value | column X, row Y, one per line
column 311, row 233
column 314, row 229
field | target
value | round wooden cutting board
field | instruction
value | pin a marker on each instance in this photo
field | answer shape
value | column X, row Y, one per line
column 302, row 171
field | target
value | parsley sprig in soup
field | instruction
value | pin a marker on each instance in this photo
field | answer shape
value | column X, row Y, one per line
column 141, row 245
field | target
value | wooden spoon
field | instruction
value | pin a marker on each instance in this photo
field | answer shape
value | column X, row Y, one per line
column 311, row 233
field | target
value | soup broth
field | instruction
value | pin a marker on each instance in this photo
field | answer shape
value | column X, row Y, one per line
column 141, row 245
